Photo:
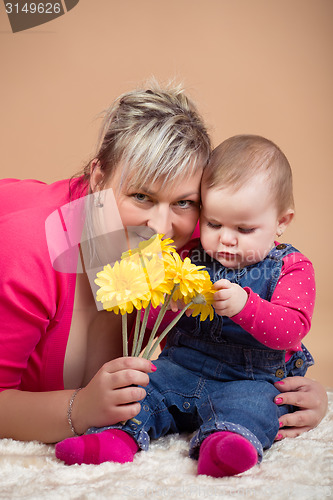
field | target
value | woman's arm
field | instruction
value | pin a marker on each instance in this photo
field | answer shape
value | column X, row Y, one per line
column 111, row 396
column 309, row 396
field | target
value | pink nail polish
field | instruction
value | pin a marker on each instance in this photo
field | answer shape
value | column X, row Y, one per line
column 280, row 382
column 280, row 424
column 153, row 367
column 278, row 401
column 279, row 437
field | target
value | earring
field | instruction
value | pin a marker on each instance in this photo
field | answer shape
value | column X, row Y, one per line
column 98, row 203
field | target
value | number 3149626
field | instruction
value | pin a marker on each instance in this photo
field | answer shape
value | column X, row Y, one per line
column 33, row 8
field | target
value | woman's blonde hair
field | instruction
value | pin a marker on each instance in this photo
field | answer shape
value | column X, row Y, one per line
column 154, row 134
column 238, row 159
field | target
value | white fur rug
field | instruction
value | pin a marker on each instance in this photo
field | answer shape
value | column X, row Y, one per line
column 300, row 468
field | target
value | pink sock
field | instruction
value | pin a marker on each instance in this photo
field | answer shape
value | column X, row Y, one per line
column 112, row 445
column 226, row 454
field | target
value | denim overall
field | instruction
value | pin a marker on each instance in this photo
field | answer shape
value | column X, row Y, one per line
column 214, row 376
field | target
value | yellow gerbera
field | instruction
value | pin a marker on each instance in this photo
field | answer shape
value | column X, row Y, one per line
column 150, row 254
column 166, row 244
column 123, row 286
column 158, row 284
column 155, row 245
column 186, row 275
column 202, row 301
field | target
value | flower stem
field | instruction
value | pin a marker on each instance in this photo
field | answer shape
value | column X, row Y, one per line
column 157, row 323
column 142, row 330
column 167, row 329
column 136, row 331
column 124, row 332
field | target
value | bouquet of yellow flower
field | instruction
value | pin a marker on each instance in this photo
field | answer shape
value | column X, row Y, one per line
column 152, row 275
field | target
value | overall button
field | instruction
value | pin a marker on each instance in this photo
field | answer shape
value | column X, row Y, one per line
column 145, row 408
column 186, row 405
column 299, row 362
column 279, row 373
column 282, row 246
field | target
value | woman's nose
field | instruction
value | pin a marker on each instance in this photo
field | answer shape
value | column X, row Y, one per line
column 160, row 220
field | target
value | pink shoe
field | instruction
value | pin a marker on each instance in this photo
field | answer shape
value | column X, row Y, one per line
column 226, row 454
column 112, row 445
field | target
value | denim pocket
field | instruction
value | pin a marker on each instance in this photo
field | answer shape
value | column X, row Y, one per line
column 298, row 364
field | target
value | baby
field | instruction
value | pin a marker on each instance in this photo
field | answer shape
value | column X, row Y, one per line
column 215, row 378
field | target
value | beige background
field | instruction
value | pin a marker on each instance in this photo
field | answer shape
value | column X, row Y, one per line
column 252, row 66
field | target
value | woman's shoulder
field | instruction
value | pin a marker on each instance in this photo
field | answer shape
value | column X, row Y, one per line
column 29, row 194
column 25, row 206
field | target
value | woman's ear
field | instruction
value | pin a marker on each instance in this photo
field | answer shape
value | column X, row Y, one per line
column 284, row 220
column 96, row 175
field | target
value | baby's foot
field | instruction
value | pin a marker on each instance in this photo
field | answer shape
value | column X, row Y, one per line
column 226, row 454
column 112, row 445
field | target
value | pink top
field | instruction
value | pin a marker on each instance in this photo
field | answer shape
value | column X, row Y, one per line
column 36, row 302
column 284, row 321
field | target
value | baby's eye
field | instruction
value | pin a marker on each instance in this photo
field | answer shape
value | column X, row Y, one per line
column 214, row 226
column 246, row 230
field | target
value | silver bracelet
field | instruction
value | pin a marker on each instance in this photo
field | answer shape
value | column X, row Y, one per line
column 69, row 412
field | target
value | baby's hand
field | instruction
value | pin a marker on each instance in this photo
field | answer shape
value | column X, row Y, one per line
column 229, row 299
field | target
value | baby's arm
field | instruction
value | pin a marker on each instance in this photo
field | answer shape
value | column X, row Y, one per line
column 286, row 319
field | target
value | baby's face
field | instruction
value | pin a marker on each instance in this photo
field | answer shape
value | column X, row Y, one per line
column 238, row 228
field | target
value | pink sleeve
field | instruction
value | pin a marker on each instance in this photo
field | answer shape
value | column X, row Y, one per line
column 27, row 297
column 286, row 319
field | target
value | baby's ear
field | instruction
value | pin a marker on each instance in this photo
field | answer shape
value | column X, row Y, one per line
column 284, row 220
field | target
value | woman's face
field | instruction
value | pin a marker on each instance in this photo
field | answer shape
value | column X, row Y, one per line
column 170, row 210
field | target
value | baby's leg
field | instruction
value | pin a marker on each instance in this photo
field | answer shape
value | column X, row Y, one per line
column 111, row 445
column 239, row 421
column 226, row 454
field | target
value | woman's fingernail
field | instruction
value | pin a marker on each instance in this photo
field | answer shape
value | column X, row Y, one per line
column 279, row 437
column 278, row 401
column 280, row 382
column 153, row 367
column 280, row 424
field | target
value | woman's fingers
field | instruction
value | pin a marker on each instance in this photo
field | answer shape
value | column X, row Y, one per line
column 125, row 378
column 132, row 363
column 309, row 397
column 123, row 413
column 304, row 393
column 128, row 395
column 113, row 393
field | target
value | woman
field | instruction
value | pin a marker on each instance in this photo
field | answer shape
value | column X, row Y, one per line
column 53, row 340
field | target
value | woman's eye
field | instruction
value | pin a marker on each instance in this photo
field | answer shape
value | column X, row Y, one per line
column 246, row 230
column 185, row 203
column 140, row 197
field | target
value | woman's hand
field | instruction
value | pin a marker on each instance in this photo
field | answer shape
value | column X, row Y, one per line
column 112, row 395
column 311, row 399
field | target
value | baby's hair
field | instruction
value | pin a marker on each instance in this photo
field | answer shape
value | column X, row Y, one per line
column 155, row 134
column 238, row 159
